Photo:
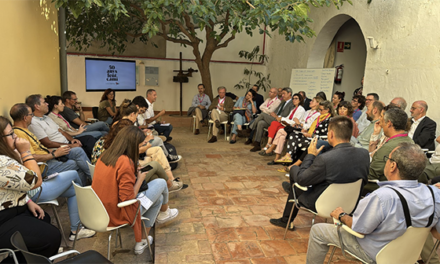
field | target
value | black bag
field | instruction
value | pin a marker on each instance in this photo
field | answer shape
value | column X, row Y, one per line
column 171, row 151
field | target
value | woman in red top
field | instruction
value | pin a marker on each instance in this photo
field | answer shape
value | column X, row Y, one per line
column 115, row 181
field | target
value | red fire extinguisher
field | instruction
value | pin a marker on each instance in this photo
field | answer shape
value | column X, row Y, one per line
column 338, row 75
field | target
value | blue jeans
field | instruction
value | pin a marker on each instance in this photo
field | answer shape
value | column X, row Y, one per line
column 95, row 134
column 158, row 193
column 165, row 130
column 61, row 186
column 324, row 143
column 238, row 120
column 109, row 120
column 98, row 126
column 77, row 161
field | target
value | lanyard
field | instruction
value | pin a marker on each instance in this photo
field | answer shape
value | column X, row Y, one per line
column 396, row 136
column 221, row 102
column 202, row 98
column 62, row 118
column 293, row 112
column 271, row 102
column 310, row 115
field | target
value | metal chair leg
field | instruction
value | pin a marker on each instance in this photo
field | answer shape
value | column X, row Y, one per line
column 209, row 129
column 226, row 126
column 76, row 235
column 108, row 245
column 288, row 222
column 148, row 241
column 54, row 209
column 120, row 238
column 434, row 249
column 331, row 255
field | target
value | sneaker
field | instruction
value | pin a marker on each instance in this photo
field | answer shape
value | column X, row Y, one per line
column 177, row 186
column 166, row 216
column 83, row 233
column 141, row 246
column 174, row 158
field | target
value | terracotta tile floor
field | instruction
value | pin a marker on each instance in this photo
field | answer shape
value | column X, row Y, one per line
column 223, row 215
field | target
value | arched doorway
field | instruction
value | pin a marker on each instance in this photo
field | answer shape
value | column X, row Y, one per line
column 341, row 28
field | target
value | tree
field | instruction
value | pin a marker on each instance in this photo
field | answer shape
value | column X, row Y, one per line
column 114, row 22
column 263, row 82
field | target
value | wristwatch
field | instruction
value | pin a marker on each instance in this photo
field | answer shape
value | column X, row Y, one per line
column 53, row 153
column 341, row 215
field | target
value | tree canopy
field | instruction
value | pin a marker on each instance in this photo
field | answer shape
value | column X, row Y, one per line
column 117, row 22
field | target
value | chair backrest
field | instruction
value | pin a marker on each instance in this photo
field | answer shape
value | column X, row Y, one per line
column 95, row 112
column 18, row 242
column 92, row 212
column 405, row 249
column 91, row 168
column 343, row 195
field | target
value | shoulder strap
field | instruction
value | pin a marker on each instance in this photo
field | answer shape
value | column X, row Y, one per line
column 36, row 141
column 431, row 218
column 405, row 208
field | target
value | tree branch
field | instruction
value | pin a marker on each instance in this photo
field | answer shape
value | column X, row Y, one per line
column 225, row 44
column 164, row 34
column 140, row 10
column 225, row 26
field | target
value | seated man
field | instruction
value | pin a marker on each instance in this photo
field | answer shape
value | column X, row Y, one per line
column 323, row 170
column 358, row 103
column 60, row 159
column 380, row 216
column 271, row 103
column 264, row 120
column 393, row 123
column 49, row 133
column 199, row 107
column 97, row 129
column 307, row 101
column 363, row 122
column 422, row 128
column 220, row 109
column 161, row 127
column 373, row 116
column 259, row 99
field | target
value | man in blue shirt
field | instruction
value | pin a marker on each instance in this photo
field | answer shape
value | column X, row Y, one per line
column 380, row 216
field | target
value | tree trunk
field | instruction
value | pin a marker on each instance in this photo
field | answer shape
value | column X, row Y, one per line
column 205, row 73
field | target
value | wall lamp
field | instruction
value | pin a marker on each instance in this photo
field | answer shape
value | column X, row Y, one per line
column 373, row 43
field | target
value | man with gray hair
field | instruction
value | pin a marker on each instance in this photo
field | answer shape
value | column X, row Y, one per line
column 400, row 102
column 423, row 128
column 380, row 216
column 393, row 123
column 220, row 108
column 264, row 120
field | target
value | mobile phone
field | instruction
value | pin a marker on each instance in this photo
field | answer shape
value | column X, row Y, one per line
column 146, row 168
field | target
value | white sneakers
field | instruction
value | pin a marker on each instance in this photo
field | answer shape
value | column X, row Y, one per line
column 141, row 246
column 83, row 233
column 166, row 216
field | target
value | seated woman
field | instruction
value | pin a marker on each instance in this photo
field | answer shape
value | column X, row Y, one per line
column 117, row 179
column 299, row 142
column 346, row 109
column 152, row 153
column 246, row 108
column 336, row 99
column 107, row 107
column 304, row 123
column 291, row 120
column 17, row 212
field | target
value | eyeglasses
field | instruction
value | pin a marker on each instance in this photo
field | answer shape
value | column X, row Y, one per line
column 295, row 98
column 31, row 114
column 10, row 134
column 320, row 110
column 386, row 158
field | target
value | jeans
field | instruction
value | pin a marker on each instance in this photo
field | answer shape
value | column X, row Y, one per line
column 323, row 234
column 109, row 121
column 158, row 193
column 165, row 130
column 157, row 142
column 77, row 161
column 98, row 126
column 238, row 120
column 61, row 186
column 95, row 134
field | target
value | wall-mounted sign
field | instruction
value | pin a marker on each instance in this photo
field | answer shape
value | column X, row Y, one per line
column 340, row 47
column 347, row 45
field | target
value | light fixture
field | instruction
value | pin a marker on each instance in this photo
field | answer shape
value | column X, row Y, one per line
column 373, row 43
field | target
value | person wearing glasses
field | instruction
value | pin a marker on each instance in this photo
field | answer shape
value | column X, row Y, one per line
column 271, row 103
column 393, row 122
column 71, row 106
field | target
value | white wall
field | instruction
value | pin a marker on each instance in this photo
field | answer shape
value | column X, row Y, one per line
column 353, row 59
column 225, row 74
column 408, row 49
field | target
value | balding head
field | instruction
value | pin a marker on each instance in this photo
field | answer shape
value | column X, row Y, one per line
column 400, row 102
column 418, row 109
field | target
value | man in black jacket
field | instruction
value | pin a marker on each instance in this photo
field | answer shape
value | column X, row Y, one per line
column 342, row 164
column 307, row 101
column 259, row 99
column 422, row 128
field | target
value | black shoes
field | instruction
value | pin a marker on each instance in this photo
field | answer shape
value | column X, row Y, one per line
column 287, row 187
column 213, row 139
column 279, row 222
column 248, row 142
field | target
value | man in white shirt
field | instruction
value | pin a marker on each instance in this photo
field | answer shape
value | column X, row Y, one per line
column 162, row 127
column 271, row 103
column 422, row 128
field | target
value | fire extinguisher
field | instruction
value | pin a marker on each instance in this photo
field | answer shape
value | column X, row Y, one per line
column 338, row 75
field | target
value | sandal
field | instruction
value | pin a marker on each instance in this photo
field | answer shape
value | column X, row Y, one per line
column 284, row 160
column 283, row 170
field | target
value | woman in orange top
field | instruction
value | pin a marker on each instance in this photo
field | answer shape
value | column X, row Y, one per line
column 115, row 181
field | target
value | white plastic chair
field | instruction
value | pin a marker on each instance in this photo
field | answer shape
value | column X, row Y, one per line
column 343, row 195
column 402, row 250
column 211, row 123
column 94, row 216
column 91, row 168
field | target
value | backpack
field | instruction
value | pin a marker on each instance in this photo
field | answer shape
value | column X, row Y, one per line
column 172, row 151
